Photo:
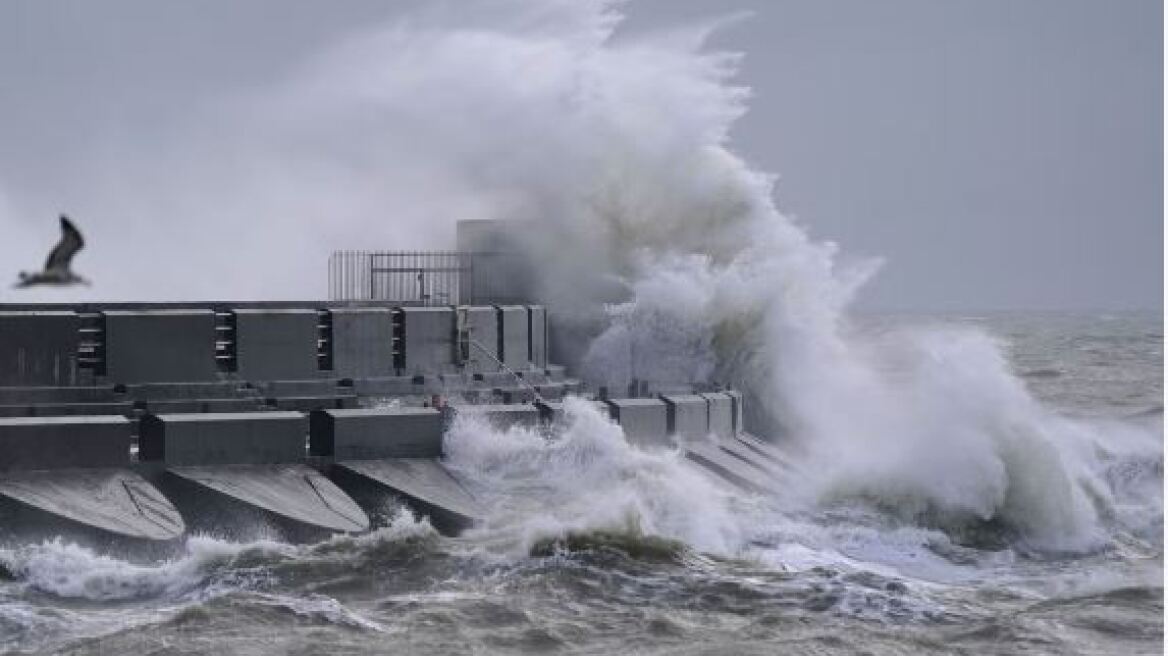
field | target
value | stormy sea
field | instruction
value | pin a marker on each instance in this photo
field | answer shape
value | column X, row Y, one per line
column 593, row 546
column 978, row 483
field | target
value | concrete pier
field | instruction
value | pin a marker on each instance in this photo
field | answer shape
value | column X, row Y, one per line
column 276, row 411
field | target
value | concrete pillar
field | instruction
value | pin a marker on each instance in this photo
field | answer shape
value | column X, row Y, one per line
column 513, row 337
column 736, row 400
column 537, row 335
column 144, row 346
column 367, row 434
column 38, row 349
column 721, row 413
column 362, row 342
column 32, row 443
column 276, row 344
column 223, row 438
column 482, row 325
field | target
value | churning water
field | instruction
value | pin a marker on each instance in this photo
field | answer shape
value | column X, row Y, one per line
column 982, row 484
column 593, row 546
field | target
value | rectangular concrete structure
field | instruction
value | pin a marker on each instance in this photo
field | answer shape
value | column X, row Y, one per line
column 537, row 335
column 223, row 438
column 275, row 344
column 688, row 415
column 513, row 337
column 429, row 339
column 644, row 421
column 362, row 342
column 721, row 413
column 38, row 348
column 367, row 434
column 32, row 443
column 144, row 346
column 482, row 328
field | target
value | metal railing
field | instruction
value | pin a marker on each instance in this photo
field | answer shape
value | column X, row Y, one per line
column 425, row 277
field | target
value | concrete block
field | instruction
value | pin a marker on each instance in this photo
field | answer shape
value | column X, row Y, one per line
column 721, row 413
column 223, row 439
column 644, row 421
column 503, row 416
column 537, row 335
column 369, row 434
column 160, row 345
column 362, row 342
column 429, row 339
column 275, row 344
column 482, row 325
column 30, row 443
column 688, row 415
column 513, row 338
column 38, row 348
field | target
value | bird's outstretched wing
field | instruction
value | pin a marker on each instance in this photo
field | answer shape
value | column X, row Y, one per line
column 63, row 252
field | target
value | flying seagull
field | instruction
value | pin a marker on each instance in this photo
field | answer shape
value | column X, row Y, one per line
column 57, row 270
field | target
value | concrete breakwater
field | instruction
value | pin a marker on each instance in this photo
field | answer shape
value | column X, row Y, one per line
column 148, row 421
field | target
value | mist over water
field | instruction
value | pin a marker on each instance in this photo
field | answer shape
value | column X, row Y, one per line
column 919, row 455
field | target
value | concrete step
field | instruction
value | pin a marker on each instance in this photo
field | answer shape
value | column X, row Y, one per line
column 171, row 391
column 66, row 409
column 170, row 406
column 33, row 395
column 310, row 403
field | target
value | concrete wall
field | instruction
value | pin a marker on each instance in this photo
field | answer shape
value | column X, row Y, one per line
column 370, row 434
column 223, row 439
column 644, row 421
column 362, row 342
column 160, row 346
column 513, row 337
column 38, row 348
column 275, row 344
column 429, row 339
column 63, row 442
column 688, row 415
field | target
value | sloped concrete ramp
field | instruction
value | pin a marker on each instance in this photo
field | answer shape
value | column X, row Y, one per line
column 739, row 450
column 424, row 479
column 728, row 467
column 764, row 448
column 295, row 492
column 113, row 500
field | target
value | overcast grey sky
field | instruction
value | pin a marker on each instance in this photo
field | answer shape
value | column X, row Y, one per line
column 998, row 153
